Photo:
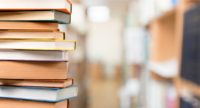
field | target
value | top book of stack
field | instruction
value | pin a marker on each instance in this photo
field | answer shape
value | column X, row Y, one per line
column 60, row 5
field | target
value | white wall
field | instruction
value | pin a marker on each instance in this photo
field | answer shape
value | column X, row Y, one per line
column 104, row 42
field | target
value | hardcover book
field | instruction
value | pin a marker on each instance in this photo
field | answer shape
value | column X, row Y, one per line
column 33, row 70
column 36, row 16
column 37, row 83
column 25, row 35
column 33, row 55
column 13, row 103
column 29, row 26
column 38, row 45
column 61, row 5
column 38, row 93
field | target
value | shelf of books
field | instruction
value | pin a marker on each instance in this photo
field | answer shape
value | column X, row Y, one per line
column 162, row 50
column 189, row 65
column 174, row 52
column 34, row 50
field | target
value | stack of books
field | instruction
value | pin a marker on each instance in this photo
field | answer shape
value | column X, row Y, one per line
column 34, row 54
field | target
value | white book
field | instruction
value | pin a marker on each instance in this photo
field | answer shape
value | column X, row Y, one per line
column 38, row 93
column 28, row 55
column 37, row 45
column 63, row 5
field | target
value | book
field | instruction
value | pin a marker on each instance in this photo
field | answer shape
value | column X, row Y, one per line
column 35, row 16
column 12, row 103
column 38, row 93
column 33, row 70
column 29, row 26
column 33, row 55
column 38, row 45
column 25, row 35
column 61, row 5
column 37, row 83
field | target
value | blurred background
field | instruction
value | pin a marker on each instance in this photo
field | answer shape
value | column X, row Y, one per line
column 128, row 53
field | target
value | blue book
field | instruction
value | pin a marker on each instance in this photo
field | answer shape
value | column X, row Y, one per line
column 38, row 93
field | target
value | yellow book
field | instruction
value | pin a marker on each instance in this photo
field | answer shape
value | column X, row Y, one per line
column 24, row 35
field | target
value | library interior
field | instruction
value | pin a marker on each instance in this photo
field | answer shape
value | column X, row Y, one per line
column 133, row 53
column 99, row 54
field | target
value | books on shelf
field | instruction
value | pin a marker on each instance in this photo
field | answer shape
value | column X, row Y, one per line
column 161, row 95
column 33, row 16
column 61, row 5
column 190, row 50
column 34, row 61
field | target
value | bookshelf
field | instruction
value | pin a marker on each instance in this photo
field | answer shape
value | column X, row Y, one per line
column 163, row 45
column 163, row 37
column 182, row 84
column 167, row 34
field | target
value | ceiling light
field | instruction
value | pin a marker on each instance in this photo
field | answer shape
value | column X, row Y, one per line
column 98, row 13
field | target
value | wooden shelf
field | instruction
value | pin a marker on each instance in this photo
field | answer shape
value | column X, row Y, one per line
column 163, row 33
column 166, row 15
column 157, row 77
column 166, row 34
column 190, row 86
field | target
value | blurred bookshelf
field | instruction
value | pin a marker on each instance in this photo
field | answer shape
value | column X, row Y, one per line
column 167, row 35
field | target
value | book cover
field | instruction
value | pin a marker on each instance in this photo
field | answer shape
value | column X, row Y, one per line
column 34, row 55
column 13, row 103
column 27, row 35
column 35, row 16
column 38, row 93
column 29, row 26
column 68, row 45
column 60, row 5
column 33, row 70
column 37, row 83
